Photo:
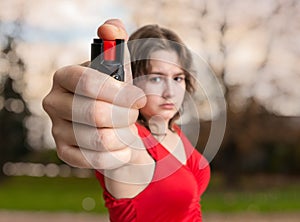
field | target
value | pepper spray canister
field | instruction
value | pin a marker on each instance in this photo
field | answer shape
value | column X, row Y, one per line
column 107, row 56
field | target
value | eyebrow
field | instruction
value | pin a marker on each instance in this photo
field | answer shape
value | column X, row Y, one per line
column 164, row 74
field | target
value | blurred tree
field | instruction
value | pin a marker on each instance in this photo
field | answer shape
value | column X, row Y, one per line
column 13, row 109
column 250, row 76
column 253, row 48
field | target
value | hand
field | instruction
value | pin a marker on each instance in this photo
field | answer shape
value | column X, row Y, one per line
column 93, row 115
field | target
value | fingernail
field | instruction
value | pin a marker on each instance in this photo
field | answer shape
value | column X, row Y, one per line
column 113, row 26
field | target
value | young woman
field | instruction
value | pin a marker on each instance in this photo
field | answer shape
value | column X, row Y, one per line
column 160, row 176
column 178, row 175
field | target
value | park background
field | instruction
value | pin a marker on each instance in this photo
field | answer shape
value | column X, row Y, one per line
column 251, row 46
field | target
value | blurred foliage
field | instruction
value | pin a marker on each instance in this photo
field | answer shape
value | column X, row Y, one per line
column 256, row 141
column 13, row 110
column 43, row 156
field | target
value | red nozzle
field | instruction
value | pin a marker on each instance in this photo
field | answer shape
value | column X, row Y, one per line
column 109, row 50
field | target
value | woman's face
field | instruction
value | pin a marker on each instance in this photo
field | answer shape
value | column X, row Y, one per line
column 164, row 86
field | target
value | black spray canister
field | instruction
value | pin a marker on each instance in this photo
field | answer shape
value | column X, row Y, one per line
column 107, row 56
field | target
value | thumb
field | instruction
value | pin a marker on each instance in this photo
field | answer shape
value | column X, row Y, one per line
column 114, row 29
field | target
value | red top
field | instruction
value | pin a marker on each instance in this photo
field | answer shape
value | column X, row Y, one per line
column 174, row 192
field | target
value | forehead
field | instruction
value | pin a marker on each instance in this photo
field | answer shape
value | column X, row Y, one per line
column 165, row 61
column 165, row 55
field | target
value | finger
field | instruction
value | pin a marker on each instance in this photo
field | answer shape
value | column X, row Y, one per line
column 104, row 139
column 127, row 66
column 93, row 159
column 112, row 29
column 101, row 114
column 91, row 112
column 58, row 105
column 86, row 64
column 91, row 138
column 91, row 83
column 72, row 156
column 107, row 160
column 62, row 130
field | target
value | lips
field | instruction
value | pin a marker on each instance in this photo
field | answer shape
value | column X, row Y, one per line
column 168, row 106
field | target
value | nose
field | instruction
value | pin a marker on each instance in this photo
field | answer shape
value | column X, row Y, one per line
column 169, row 91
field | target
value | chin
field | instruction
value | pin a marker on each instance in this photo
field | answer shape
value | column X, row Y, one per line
column 167, row 116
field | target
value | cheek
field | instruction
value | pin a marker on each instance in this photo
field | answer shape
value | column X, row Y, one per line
column 154, row 89
column 180, row 92
column 150, row 106
column 152, row 100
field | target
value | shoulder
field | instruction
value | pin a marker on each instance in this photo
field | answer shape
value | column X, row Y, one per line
column 198, row 161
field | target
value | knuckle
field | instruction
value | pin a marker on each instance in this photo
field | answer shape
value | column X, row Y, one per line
column 99, row 114
column 104, row 140
column 90, row 114
column 45, row 103
column 111, row 160
column 99, row 118
column 134, row 114
column 97, row 161
column 60, row 150
column 60, row 74
column 48, row 103
column 108, row 139
column 121, row 157
column 56, row 132
column 84, row 84
column 97, row 141
column 90, row 110
column 57, row 74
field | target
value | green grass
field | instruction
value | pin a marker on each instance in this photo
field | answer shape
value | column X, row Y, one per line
column 50, row 194
column 273, row 200
column 67, row 194
column 257, row 193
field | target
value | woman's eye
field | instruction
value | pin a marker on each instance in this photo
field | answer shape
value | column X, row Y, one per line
column 155, row 79
column 179, row 78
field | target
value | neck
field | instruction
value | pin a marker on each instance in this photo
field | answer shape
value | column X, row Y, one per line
column 158, row 126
